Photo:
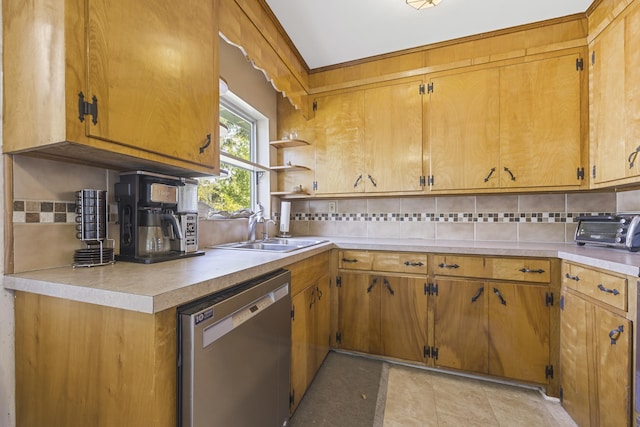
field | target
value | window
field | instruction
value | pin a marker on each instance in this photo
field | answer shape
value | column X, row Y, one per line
column 235, row 188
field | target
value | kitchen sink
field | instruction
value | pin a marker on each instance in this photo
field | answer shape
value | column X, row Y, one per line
column 275, row 244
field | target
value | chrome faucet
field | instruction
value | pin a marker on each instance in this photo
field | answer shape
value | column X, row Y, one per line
column 265, row 231
column 254, row 219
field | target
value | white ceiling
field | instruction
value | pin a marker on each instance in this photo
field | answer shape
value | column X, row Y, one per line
column 328, row 32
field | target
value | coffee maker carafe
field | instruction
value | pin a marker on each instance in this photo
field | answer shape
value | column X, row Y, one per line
column 150, row 231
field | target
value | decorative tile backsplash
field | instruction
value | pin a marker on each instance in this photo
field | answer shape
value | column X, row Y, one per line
column 31, row 211
column 534, row 217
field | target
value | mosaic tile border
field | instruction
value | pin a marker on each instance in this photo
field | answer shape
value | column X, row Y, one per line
column 504, row 217
column 36, row 211
column 47, row 212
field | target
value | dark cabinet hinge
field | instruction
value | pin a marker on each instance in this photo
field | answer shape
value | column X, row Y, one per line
column 293, row 313
column 593, row 57
column 430, row 88
column 85, row 108
column 548, row 371
column 580, row 173
column 423, row 181
column 549, row 299
column 562, row 302
column 432, row 289
column 315, row 186
column 427, row 288
column 561, row 394
column 430, row 180
column 593, row 172
column 291, row 398
column 315, row 105
column 338, row 337
column 430, row 352
column 579, row 64
column 338, row 281
column 421, row 89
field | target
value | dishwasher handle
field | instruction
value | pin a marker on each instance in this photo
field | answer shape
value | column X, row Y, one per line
column 214, row 332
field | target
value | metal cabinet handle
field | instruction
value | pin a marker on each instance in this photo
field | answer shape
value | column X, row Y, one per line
column 502, row 300
column 614, row 334
column 490, row 173
column 350, row 261
column 355, row 184
column 526, row 270
column 443, row 265
column 375, row 184
column 413, row 264
column 373, row 283
column 319, row 293
column 609, row 291
column 506, row 169
column 576, row 278
column 388, row 286
column 206, row 144
column 478, row 294
column 632, row 157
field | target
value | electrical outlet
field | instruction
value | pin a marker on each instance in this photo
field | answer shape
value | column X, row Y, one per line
column 332, row 207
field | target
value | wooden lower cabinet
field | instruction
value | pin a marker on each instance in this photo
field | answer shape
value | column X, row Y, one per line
column 80, row 364
column 310, row 323
column 494, row 328
column 595, row 353
column 383, row 314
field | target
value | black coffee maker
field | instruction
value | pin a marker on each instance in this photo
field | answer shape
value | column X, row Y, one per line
column 149, row 229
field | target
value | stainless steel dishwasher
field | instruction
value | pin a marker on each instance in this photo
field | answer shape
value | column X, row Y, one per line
column 234, row 352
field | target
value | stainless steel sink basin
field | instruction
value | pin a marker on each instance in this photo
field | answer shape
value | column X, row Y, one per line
column 271, row 245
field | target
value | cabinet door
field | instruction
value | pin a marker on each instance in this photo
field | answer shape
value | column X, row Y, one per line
column 632, row 90
column 576, row 359
column 461, row 324
column 151, row 66
column 463, row 121
column 322, row 322
column 359, row 312
column 613, row 341
column 403, row 318
column 607, row 109
column 393, row 138
column 518, row 331
column 540, row 123
column 301, row 369
column 339, row 130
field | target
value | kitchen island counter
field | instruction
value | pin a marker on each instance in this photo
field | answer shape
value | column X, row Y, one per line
column 155, row 287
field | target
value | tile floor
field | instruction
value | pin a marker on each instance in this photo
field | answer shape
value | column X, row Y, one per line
column 417, row 397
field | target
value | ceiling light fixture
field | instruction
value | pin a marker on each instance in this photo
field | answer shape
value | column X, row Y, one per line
column 423, row 4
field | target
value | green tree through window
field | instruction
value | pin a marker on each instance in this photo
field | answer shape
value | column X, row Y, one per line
column 231, row 191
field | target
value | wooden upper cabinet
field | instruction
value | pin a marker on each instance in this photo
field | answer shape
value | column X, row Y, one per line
column 147, row 72
column 513, row 126
column 150, row 65
column 615, row 101
column 369, row 140
column 339, row 130
column 541, row 123
column 462, row 112
column 393, row 138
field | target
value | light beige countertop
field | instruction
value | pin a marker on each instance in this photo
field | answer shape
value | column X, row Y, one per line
column 151, row 288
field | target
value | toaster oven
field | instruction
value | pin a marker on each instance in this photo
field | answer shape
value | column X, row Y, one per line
column 618, row 231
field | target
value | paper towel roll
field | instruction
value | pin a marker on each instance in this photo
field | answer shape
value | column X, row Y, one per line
column 285, row 213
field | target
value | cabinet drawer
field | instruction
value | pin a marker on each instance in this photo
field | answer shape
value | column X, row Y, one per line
column 355, row 260
column 606, row 287
column 400, row 262
column 520, row 269
column 455, row 265
column 307, row 272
